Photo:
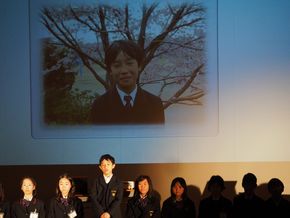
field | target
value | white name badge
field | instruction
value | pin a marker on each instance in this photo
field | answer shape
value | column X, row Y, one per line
column 72, row 214
column 1, row 215
column 33, row 215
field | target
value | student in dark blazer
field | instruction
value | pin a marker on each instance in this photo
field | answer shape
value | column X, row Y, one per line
column 107, row 192
column 126, row 103
column 65, row 204
column 4, row 205
column 276, row 206
column 178, row 205
column 144, row 203
column 248, row 204
column 215, row 205
column 28, row 206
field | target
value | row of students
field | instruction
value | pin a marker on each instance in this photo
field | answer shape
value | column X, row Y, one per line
column 106, row 197
column 65, row 204
column 145, row 203
column 246, row 204
column 108, row 193
column 178, row 205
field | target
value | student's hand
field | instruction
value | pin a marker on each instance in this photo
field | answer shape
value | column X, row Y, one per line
column 105, row 215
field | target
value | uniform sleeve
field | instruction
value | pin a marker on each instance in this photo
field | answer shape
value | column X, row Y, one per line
column 165, row 212
column 79, row 208
column 51, row 213
column 156, row 208
column 6, row 209
column 98, row 111
column 115, row 205
column 13, row 211
column 41, row 210
column 130, row 210
column 97, row 207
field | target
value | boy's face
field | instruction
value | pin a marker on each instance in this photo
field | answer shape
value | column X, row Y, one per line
column 124, row 71
column 107, row 167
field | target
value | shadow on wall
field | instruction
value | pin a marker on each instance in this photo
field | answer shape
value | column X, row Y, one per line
column 194, row 194
column 229, row 191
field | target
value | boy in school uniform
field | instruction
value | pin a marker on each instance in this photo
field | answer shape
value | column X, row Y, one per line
column 126, row 102
column 107, row 190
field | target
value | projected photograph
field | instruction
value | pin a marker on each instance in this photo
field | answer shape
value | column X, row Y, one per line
column 123, row 68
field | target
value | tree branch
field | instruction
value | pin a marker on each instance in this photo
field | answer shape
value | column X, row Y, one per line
column 145, row 17
column 184, row 88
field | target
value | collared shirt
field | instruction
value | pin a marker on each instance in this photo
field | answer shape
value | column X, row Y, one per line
column 28, row 198
column 108, row 178
column 132, row 94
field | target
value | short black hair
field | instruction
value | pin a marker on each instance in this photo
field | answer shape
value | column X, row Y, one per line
column 249, row 179
column 129, row 47
column 107, row 157
column 273, row 183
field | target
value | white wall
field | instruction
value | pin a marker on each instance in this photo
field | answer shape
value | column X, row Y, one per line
column 254, row 101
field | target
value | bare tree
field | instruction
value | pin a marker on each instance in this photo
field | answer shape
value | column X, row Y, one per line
column 171, row 35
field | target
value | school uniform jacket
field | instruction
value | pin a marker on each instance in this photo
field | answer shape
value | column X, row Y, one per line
column 5, row 208
column 209, row 208
column 107, row 197
column 20, row 210
column 248, row 208
column 109, row 109
column 151, row 210
column 178, row 209
column 57, row 209
column 274, row 209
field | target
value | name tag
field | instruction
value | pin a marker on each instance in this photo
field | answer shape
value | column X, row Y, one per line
column 33, row 215
column 72, row 214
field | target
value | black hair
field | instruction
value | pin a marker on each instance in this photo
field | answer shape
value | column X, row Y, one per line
column 216, row 180
column 33, row 182
column 140, row 179
column 72, row 189
column 107, row 157
column 273, row 183
column 249, row 179
column 182, row 182
column 129, row 47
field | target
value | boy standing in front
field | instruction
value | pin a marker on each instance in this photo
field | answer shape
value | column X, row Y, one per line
column 107, row 191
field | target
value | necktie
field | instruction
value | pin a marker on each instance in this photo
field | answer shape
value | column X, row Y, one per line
column 128, row 99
